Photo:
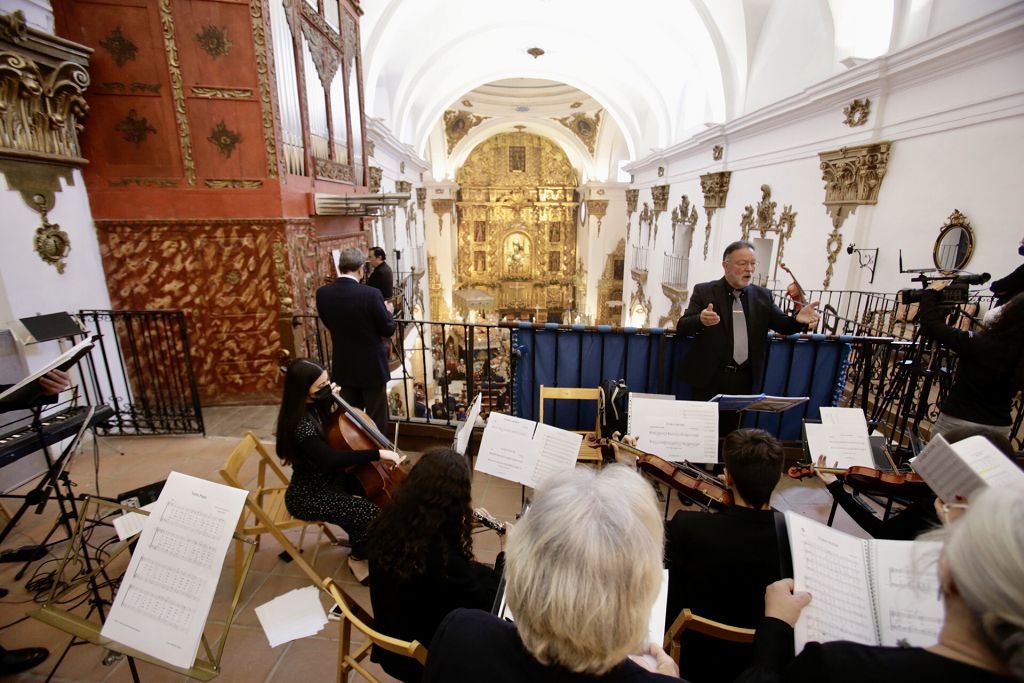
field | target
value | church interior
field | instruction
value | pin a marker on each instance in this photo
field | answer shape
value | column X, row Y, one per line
column 549, row 180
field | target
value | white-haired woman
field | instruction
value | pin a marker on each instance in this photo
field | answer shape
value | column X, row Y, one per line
column 981, row 574
column 582, row 571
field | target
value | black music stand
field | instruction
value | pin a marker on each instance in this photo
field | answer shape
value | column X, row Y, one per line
column 27, row 392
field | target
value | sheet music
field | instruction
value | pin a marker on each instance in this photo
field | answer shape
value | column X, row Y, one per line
column 776, row 404
column 523, row 451
column 831, row 566
column 62, row 362
column 293, row 615
column 656, row 627
column 165, row 595
column 556, row 451
column 844, row 445
column 676, row 430
column 465, row 430
column 906, row 578
column 956, row 471
column 843, row 416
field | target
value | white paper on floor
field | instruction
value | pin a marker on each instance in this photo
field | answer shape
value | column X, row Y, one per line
column 296, row 614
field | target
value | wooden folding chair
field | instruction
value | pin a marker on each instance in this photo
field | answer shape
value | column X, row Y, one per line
column 687, row 620
column 587, row 453
column 268, row 496
column 350, row 661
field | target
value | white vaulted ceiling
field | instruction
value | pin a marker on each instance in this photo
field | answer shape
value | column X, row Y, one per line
column 660, row 69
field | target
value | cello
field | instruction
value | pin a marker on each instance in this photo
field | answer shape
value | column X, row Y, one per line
column 350, row 429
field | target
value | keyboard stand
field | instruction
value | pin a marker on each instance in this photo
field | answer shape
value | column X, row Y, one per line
column 50, row 484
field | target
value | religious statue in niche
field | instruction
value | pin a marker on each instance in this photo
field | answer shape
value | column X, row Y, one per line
column 480, row 261
column 517, row 254
column 555, row 232
column 554, row 261
column 480, row 231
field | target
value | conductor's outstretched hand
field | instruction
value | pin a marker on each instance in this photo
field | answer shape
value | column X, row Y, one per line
column 808, row 315
column 708, row 317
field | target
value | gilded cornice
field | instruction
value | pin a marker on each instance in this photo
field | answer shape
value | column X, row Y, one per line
column 715, row 187
column 41, row 94
column 853, row 176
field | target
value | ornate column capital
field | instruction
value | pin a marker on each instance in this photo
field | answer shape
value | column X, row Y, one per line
column 715, row 187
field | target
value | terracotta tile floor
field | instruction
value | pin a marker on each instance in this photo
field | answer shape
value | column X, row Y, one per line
column 128, row 462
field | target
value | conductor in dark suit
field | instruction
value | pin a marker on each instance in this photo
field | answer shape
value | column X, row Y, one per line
column 719, row 564
column 382, row 278
column 359, row 323
column 729, row 319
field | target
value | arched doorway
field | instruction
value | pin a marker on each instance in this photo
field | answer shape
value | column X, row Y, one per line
column 517, row 208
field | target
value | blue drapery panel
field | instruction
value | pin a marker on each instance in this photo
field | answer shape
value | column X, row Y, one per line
column 648, row 361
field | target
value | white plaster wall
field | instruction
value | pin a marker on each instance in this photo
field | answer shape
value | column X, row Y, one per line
column 953, row 109
column 29, row 286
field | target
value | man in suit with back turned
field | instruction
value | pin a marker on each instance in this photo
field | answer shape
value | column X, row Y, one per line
column 729, row 319
column 359, row 322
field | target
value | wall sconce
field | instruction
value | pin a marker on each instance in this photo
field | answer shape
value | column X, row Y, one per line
column 866, row 258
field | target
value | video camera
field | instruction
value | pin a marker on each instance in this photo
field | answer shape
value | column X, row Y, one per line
column 954, row 293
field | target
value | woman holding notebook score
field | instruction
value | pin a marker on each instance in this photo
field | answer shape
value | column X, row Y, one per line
column 981, row 578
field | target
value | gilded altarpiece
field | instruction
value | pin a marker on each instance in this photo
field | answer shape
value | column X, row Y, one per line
column 517, row 225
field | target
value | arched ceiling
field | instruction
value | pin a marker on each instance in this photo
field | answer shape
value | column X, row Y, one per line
column 659, row 69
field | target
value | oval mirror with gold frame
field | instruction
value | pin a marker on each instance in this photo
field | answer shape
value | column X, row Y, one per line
column 955, row 243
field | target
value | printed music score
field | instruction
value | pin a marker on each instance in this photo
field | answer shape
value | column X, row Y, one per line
column 955, row 471
column 866, row 591
column 675, row 430
column 165, row 595
column 524, row 451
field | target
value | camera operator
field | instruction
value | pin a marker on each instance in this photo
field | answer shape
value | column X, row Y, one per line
column 1011, row 285
column 990, row 370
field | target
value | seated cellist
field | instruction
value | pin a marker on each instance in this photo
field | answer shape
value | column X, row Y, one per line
column 320, row 489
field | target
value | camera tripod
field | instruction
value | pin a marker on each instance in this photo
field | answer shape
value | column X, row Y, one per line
column 925, row 365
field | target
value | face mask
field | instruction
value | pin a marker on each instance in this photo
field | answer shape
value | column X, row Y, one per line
column 323, row 393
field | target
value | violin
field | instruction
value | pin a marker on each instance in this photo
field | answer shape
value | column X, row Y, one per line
column 870, row 479
column 794, row 291
column 350, row 429
column 683, row 477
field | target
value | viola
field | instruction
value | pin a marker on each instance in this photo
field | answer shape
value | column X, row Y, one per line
column 350, row 429
column 870, row 479
column 683, row 477
column 794, row 291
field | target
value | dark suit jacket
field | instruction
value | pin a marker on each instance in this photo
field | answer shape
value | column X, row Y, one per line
column 358, row 322
column 719, row 565
column 381, row 278
column 711, row 349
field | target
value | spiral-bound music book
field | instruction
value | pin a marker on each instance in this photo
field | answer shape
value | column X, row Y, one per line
column 875, row 592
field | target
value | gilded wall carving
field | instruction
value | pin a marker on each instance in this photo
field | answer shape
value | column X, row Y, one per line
column 324, row 44
column 598, row 208
column 224, row 139
column 403, row 186
column 715, row 187
column 457, row 124
column 853, row 176
column 264, row 57
column 516, row 229
column 763, row 220
column 609, row 287
column 584, row 127
column 121, row 49
column 177, row 91
column 41, row 95
column 214, row 41
column 421, row 198
column 376, row 174
column 332, row 170
column 686, row 215
column 856, row 113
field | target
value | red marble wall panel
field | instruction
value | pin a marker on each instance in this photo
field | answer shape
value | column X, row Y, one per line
column 223, row 275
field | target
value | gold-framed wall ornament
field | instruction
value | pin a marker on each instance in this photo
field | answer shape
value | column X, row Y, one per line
column 715, row 187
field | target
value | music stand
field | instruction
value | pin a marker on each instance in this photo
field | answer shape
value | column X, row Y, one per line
column 84, row 630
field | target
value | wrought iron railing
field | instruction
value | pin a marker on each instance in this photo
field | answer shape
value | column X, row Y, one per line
column 639, row 260
column 142, row 368
column 675, row 269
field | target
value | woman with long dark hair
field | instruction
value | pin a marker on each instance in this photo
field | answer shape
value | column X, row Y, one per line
column 420, row 550
column 990, row 369
column 320, row 490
